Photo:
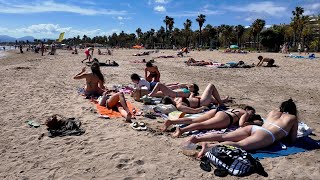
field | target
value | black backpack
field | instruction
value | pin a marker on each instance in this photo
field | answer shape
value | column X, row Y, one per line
column 231, row 160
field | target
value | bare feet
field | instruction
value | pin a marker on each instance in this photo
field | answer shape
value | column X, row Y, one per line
column 128, row 118
column 165, row 126
column 177, row 133
column 205, row 148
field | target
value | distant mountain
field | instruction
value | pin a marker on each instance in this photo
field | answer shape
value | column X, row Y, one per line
column 5, row 38
column 25, row 38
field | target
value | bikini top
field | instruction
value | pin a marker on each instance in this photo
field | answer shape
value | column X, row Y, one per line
column 185, row 100
column 286, row 132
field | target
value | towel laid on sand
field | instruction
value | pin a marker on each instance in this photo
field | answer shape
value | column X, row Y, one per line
column 102, row 110
column 302, row 144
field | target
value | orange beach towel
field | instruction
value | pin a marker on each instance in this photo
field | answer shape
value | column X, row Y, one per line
column 109, row 112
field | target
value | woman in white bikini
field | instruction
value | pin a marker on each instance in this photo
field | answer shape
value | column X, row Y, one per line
column 280, row 124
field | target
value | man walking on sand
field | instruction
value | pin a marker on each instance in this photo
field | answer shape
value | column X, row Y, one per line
column 42, row 49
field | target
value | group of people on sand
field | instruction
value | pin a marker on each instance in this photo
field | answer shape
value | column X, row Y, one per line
column 253, row 132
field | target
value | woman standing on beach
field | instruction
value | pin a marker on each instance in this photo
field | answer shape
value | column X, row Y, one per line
column 279, row 124
column 95, row 88
column 88, row 55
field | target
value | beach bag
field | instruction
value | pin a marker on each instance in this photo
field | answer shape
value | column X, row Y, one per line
column 139, row 92
column 176, row 115
column 232, row 160
column 165, row 108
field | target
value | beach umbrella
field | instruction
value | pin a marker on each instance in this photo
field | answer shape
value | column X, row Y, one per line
column 234, row 46
column 137, row 47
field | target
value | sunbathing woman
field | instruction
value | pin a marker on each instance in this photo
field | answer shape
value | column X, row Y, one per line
column 94, row 80
column 280, row 124
column 196, row 104
column 214, row 119
column 181, row 90
column 154, row 74
column 193, row 62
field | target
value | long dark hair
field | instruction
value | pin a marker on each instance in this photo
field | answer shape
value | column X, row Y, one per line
column 95, row 68
column 196, row 89
column 289, row 107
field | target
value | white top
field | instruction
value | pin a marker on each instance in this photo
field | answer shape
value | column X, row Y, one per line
column 142, row 83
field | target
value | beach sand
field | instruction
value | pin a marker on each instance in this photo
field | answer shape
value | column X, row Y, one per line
column 35, row 87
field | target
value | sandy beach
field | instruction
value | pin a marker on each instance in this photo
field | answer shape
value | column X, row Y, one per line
column 35, row 87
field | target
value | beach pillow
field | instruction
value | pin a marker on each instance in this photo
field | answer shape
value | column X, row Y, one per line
column 165, row 108
column 176, row 115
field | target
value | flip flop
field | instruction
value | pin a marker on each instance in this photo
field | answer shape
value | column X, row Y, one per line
column 143, row 126
column 34, row 124
column 135, row 126
column 103, row 116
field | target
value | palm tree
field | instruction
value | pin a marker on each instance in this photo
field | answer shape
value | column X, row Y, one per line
column 187, row 26
column 139, row 33
column 240, row 30
column 297, row 23
column 84, row 38
column 201, row 19
column 257, row 26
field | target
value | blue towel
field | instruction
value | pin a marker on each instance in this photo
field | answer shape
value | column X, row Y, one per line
column 302, row 144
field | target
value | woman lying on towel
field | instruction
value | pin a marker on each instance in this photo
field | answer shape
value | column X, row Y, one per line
column 214, row 119
column 194, row 104
column 280, row 124
column 180, row 90
column 193, row 62
column 94, row 81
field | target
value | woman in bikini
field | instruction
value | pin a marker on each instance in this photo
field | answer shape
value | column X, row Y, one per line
column 95, row 88
column 194, row 103
column 180, row 90
column 214, row 119
column 154, row 74
column 280, row 124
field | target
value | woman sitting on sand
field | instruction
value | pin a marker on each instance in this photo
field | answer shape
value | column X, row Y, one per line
column 214, row 119
column 94, row 80
column 280, row 124
column 95, row 87
column 195, row 104
column 154, row 74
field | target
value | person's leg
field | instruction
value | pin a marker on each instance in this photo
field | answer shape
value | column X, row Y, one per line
column 149, row 78
column 202, row 118
column 211, row 91
column 233, row 136
column 164, row 89
column 114, row 100
column 219, row 121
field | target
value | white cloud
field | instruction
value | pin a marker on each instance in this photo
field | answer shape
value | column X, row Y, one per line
column 265, row 7
column 160, row 9
column 12, row 7
column 312, row 9
column 268, row 26
column 248, row 19
column 53, row 30
column 194, row 13
column 161, row 1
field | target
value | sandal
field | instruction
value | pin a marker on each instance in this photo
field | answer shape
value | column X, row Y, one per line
column 143, row 126
column 135, row 126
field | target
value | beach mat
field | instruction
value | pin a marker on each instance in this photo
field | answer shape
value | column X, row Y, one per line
column 102, row 110
column 302, row 144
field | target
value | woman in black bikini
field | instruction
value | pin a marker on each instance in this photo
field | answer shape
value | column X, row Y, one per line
column 154, row 74
column 196, row 104
column 214, row 119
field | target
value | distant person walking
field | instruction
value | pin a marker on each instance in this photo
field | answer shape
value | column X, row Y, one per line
column 88, row 55
column 21, row 49
column 306, row 50
column 42, row 49
column 299, row 48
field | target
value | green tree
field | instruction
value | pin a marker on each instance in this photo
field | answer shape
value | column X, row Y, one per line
column 201, row 19
column 239, row 30
column 187, row 31
column 257, row 26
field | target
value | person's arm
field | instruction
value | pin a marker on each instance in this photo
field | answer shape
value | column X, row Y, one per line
column 101, row 85
column 243, row 119
column 158, row 72
column 260, row 63
column 191, row 95
column 293, row 132
column 81, row 75
column 190, row 110
column 145, row 73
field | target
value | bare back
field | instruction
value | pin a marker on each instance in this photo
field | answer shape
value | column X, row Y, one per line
column 285, row 122
column 92, row 83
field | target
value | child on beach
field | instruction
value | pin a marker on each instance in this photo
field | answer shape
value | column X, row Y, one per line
column 270, row 62
column 140, row 82
column 88, row 55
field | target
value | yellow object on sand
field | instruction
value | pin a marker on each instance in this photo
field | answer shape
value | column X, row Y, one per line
column 176, row 115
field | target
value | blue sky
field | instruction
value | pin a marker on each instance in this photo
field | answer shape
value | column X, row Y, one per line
column 47, row 18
